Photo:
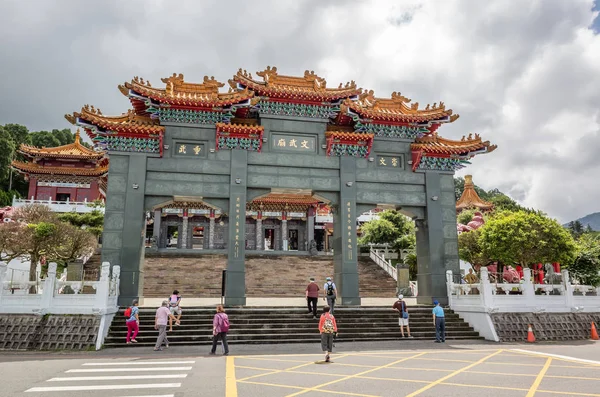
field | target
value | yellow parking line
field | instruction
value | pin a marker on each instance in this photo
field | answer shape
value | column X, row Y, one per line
column 306, row 389
column 445, row 360
column 429, row 386
column 291, row 371
column 539, row 378
column 318, row 387
column 277, row 371
column 569, row 393
column 230, row 381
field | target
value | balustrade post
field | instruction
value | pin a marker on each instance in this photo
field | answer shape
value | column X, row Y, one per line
column 568, row 288
column 3, row 268
column 102, row 289
column 449, row 287
column 49, row 286
column 487, row 295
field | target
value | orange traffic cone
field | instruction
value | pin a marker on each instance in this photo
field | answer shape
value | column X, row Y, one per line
column 594, row 332
column 530, row 336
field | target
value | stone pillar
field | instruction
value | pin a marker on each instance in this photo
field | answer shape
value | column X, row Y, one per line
column 310, row 225
column 156, row 226
column 284, row 231
column 235, row 290
column 345, row 257
column 125, row 223
column 259, row 235
column 437, row 240
column 184, row 229
column 211, row 230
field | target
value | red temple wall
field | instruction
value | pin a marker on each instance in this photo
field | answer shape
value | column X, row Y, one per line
column 75, row 194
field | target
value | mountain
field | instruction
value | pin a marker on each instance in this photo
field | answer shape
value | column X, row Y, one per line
column 592, row 219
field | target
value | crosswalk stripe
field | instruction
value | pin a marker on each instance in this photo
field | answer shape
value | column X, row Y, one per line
column 105, row 387
column 140, row 363
column 126, row 377
column 129, row 369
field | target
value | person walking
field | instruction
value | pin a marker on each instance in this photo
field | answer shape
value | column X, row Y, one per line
column 220, row 330
column 400, row 307
column 312, row 297
column 132, row 322
column 439, row 322
column 175, row 308
column 330, row 293
column 163, row 314
column 327, row 328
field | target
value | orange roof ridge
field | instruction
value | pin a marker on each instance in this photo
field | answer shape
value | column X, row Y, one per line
column 470, row 198
column 72, row 150
column 179, row 92
column 308, row 87
column 436, row 144
column 396, row 108
column 35, row 168
column 124, row 122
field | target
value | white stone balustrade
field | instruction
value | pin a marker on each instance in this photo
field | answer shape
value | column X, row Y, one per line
column 525, row 297
column 53, row 300
column 83, row 207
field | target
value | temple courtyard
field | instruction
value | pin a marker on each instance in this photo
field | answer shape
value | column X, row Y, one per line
column 399, row 368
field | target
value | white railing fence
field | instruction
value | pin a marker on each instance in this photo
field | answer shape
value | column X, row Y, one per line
column 80, row 207
column 525, row 296
column 59, row 296
column 378, row 257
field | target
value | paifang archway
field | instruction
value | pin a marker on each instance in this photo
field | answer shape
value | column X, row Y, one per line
column 279, row 132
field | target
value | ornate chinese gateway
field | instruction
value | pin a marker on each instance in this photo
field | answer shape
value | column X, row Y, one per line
column 275, row 163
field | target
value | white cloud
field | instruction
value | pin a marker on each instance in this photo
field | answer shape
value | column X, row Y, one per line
column 522, row 74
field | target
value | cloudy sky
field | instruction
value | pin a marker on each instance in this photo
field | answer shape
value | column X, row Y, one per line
column 525, row 74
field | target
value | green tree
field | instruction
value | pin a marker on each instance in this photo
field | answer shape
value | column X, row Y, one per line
column 19, row 134
column 391, row 228
column 39, row 234
column 44, row 139
column 465, row 216
column 469, row 248
column 378, row 231
column 7, row 151
column 526, row 238
column 92, row 222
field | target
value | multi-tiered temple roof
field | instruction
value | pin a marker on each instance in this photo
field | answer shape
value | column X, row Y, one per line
column 470, row 199
column 60, row 160
column 355, row 117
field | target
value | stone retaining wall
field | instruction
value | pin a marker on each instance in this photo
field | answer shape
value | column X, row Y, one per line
column 512, row 327
column 50, row 332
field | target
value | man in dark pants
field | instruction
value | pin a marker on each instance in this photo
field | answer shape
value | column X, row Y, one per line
column 439, row 321
column 312, row 297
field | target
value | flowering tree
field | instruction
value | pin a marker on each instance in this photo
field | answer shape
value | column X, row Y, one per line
column 38, row 233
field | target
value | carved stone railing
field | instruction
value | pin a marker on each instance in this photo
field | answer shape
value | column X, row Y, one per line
column 386, row 265
column 526, row 296
column 52, row 296
column 82, row 207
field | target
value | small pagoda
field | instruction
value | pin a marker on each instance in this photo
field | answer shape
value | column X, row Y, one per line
column 470, row 199
column 71, row 172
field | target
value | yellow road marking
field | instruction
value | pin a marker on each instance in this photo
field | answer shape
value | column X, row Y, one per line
column 230, row 381
column 276, row 371
column 569, row 393
column 291, row 371
column 318, row 387
column 445, row 360
column 539, row 378
column 437, row 382
column 544, row 355
column 305, row 388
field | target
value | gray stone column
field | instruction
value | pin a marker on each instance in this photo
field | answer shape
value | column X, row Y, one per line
column 211, row 230
column 437, row 240
column 125, row 223
column 284, row 232
column 310, row 226
column 156, row 226
column 344, row 235
column 235, row 289
column 259, row 235
column 184, row 230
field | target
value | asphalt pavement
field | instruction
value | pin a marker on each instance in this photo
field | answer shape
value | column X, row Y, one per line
column 399, row 368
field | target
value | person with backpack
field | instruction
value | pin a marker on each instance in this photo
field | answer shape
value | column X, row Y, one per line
column 312, row 297
column 175, row 308
column 220, row 330
column 330, row 292
column 400, row 307
column 327, row 328
column 132, row 321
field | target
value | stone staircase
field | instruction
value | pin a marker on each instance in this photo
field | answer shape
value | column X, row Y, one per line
column 266, row 275
column 270, row 325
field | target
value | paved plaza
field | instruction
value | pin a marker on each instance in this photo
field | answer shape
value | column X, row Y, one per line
column 393, row 369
